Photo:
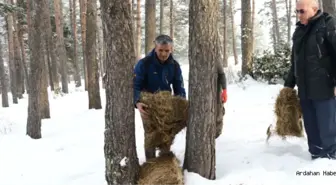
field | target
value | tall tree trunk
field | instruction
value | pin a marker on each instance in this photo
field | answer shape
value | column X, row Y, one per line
column 200, row 141
column 52, row 51
column 74, row 36
column 92, row 63
column 320, row 4
column 138, row 30
column 150, row 22
column 17, row 58
column 161, row 15
column 246, row 36
column 253, row 26
column 83, row 6
column 275, row 22
column 171, row 15
column 329, row 6
column 44, row 99
column 22, row 30
column 51, row 81
column 234, row 42
column 225, row 25
column 3, row 83
column 289, row 19
column 36, row 44
column 119, row 114
column 60, row 45
column 11, row 60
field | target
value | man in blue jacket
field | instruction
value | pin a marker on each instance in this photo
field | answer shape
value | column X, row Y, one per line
column 157, row 72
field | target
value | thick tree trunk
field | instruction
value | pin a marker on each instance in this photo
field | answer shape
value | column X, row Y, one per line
column 246, row 36
column 36, row 44
column 3, row 83
column 44, row 99
column 150, row 28
column 200, row 142
column 92, row 63
column 119, row 114
column 61, row 46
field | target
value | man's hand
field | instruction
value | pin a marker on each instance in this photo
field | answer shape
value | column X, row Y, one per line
column 224, row 96
column 141, row 107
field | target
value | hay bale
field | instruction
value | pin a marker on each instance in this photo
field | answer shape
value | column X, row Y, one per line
column 288, row 114
column 167, row 116
column 164, row 169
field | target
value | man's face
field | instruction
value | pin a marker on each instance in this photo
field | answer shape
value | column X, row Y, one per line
column 305, row 11
column 163, row 51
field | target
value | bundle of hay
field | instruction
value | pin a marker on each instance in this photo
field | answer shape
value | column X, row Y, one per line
column 167, row 116
column 164, row 169
column 288, row 114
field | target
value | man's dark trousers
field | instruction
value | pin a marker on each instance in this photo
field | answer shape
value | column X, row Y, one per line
column 319, row 118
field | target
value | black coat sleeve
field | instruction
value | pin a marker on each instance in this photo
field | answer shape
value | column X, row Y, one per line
column 290, row 80
column 221, row 75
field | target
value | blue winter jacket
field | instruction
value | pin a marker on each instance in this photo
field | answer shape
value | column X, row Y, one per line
column 155, row 76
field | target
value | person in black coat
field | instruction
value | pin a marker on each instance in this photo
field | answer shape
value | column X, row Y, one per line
column 313, row 72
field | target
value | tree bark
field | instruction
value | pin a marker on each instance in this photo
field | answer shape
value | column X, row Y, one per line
column 150, row 22
column 246, row 36
column 44, row 99
column 11, row 60
column 171, row 15
column 161, row 15
column 138, row 30
column 36, row 44
column 234, row 43
column 92, row 63
column 83, row 6
column 200, row 141
column 225, row 52
column 119, row 115
column 60, row 45
column 329, row 6
column 3, row 83
column 74, row 36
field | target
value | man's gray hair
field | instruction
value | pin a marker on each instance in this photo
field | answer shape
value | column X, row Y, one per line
column 163, row 39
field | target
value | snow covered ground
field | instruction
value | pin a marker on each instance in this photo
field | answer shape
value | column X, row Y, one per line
column 71, row 150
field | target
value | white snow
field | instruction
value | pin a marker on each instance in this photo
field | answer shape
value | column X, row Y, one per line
column 123, row 161
column 71, row 150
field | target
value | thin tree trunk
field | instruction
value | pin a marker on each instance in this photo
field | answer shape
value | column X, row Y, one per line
column 171, row 15
column 289, row 19
column 275, row 22
column 138, row 30
column 51, row 81
column 3, row 83
column 225, row 53
column 119, row 115
column 36, row 44
column 246, row 36
column 234, row 43
column 200, row 156
column 83, row 7
column 92, row 63
column 161, row 15
column 52, row 51
column 74, row 35
column 253, row 26
column 150, row 23
column 11, row 60
column 60, row 45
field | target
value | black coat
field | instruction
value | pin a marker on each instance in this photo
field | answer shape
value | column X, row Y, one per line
column 312, row 60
